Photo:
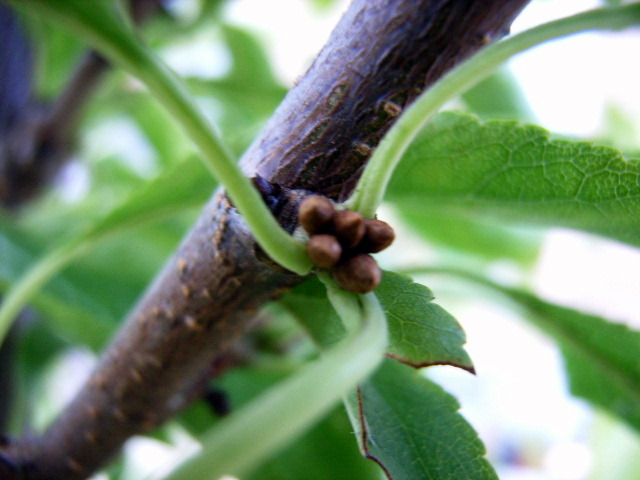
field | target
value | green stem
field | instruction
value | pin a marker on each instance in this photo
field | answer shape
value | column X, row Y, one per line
column 97, row 23
column 139, row 208
column 30, row 283
column 376, row 176
column 238, row 443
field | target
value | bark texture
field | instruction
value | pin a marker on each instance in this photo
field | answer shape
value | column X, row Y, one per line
column 379, row 58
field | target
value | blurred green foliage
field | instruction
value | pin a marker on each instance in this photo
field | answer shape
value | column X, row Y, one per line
column 467, row 188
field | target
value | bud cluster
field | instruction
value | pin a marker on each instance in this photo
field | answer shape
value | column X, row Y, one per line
column 341, row 240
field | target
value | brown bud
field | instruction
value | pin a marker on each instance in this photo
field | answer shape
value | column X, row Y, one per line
column 324, row 250
column 315, row 214
column 378, row 235
column 359, row 274
column 349, row 227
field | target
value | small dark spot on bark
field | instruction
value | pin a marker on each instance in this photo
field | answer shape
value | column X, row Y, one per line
column 391, row 108
column 75, row 465
column 362, row 149
column 271, row 193
column 317, row 132
column 193, row 323
column 218, row 401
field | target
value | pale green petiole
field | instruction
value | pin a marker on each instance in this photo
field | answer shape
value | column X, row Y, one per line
column 29, row 284
column 240, row 442
column 96, row 21
column 377, row 174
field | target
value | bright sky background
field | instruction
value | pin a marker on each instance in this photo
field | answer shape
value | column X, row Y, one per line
column 569, row 82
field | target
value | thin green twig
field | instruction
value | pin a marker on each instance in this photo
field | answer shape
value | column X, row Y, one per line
column 97, row 22
column 30, row 283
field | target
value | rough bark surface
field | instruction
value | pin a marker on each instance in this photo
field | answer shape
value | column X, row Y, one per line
column 380, row 57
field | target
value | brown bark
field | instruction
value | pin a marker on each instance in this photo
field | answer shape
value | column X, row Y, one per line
column 379, row 57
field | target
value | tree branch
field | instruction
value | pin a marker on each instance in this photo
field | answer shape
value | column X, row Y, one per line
column 379, row 57
column 37, row 139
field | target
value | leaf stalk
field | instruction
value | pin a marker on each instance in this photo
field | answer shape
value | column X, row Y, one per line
column 99, row 23
column 237, row 444
column 376, row 177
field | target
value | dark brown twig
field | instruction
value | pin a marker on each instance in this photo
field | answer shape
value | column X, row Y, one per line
column 379, row 57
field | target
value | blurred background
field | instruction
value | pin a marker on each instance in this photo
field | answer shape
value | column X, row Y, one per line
column 582, row 87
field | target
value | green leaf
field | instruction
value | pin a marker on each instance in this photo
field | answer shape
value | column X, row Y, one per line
column 403, row 412
column 498, row 96
column 326, row 449
column 250, row 62
column 375, row 178
column 251, row 435
column 322, row 4
column 246, row 107
column 100, row 24
column 186, row 185
column 248, row 94
column 169, row 142
column 240, row 386
column 118, row 269
column 410, row 426
column 601, row 357
column 308, row 302
column 481, row 237
column 421, row 332
column 517, row 173
column 66, row 307
column 58, row 54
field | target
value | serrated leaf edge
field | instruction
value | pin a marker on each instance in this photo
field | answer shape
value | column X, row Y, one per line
column 364, row 436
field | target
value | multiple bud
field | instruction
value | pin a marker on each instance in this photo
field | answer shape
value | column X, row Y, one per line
column 341, row 240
